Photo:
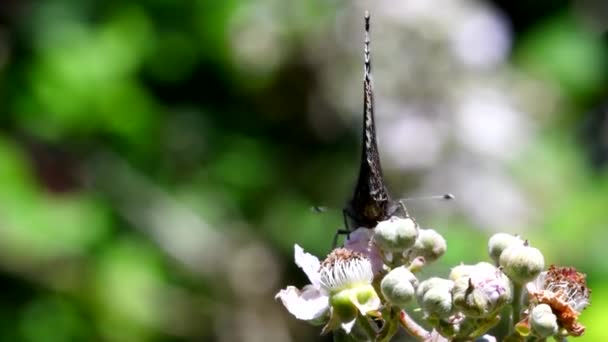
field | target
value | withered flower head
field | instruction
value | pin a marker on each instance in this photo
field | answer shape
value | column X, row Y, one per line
column 565, row 291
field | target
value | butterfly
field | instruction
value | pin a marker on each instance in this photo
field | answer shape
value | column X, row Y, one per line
column 371, row 201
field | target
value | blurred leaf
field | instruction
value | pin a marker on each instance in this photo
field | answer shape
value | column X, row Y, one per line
column 50, row 227
column 289, row 220
column 50, row 319
column 16, row 179
column 128, row 283
column 244, row 165
column 84, row 83
column 594, row 317
column 561, row 50
column 174, row 56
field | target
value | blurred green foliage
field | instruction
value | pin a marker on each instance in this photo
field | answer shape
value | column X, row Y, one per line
column 133, row 142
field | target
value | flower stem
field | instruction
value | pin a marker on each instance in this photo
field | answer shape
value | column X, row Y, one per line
column 367, row 327
column 516, row 307
column 412, row 327
column 340, row 336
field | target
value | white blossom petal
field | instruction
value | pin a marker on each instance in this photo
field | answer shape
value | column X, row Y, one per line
column 309, row 263
column 307, row 304
column 360, row 241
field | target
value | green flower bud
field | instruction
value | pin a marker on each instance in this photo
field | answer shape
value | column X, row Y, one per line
column 522, row 263
column 398, row 286
column 435, row 297
column 543, row 321
column 432, row 283
column 482, row 293
column 430, row 245
column 499, row 242
column 461, row 270
column 396, row 234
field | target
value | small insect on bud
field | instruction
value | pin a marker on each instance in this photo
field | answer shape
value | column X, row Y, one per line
column 483, row 292
column 429, row 244
column 522, row 263
column 396, row 234
column 398, row 286
column 435, row 297
column 543, row 321
column 499, row 242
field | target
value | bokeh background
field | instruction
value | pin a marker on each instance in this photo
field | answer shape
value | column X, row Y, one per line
column 158, row 158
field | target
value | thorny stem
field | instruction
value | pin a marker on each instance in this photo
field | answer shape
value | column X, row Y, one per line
column 516, row 307
column 412, row 327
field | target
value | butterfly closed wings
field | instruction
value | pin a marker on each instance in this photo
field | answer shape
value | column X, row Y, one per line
column 371, row 201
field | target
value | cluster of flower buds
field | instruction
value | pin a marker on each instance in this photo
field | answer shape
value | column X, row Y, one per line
column 365, row 289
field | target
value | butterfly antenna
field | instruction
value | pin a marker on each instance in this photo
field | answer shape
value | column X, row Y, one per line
column 318, row 209
column 446, row 197
column 367, row 56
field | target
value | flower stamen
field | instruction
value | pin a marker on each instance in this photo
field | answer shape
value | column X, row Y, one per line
column 344, row 268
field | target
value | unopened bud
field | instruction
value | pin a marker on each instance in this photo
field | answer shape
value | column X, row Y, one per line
column 429, row 244
column 461, row 270
column 396, row 234
column 435, row 297
column 483, row 293
column 398, row 286
column 522, row 263
column 499, row 242
column 543, row 321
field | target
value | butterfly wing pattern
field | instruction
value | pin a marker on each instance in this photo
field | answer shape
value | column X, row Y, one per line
column 371, row 201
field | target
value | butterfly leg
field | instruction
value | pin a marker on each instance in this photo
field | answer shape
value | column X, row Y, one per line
column 338, row 233
column 402, row 204
column 346, row 231
column 407, row 215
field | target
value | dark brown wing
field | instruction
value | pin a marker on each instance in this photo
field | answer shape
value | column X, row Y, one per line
column 371, row 201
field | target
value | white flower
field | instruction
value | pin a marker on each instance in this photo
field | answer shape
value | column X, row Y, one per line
column 344, row 269
column 340, row 289
column 312, row 302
